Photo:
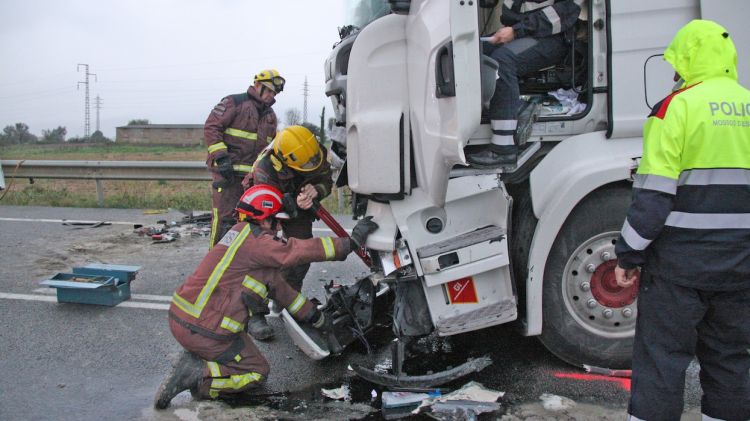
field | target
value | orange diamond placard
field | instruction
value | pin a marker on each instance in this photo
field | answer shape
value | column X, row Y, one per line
column 462, row 291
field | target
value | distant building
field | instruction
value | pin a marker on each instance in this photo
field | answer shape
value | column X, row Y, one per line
column 161, row 134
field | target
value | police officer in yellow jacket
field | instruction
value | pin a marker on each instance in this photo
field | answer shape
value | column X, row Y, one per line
column 688, row 229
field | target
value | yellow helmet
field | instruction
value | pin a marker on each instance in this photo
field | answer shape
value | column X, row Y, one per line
column 271, row 79
column 298, row 148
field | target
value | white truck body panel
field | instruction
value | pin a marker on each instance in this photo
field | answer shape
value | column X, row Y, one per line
column 641, row 28
column 379, row 162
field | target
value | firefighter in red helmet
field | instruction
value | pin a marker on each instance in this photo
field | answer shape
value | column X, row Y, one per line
column 210, row 310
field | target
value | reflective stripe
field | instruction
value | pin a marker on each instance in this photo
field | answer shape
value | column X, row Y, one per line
column 656, row 183
column 634, row 240
column 195, row 309
column 504, row 124
column 232, row 325
column 296, row 305
column 234, row 382
column 238, row 358
column 707, row 221
column 213, row 368
column 250, row 198
column 328, row 247
column 528, row 6
column 241, row 133
column 554, row 19
column 269, row 139
column 214, row 227
column 255, row 287
column 723, row 176
column 502, row 140
column 217, row 147
column 242, row 168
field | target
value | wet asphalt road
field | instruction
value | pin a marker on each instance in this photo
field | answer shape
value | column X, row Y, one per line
column 81, row 362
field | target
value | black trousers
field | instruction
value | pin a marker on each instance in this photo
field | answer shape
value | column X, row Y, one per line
column 520, row 57
column 677, row 323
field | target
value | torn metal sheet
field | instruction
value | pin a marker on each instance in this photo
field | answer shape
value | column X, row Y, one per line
column 427, row 380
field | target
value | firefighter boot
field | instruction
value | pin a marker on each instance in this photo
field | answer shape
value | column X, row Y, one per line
column 258, row 328
column 186, row 374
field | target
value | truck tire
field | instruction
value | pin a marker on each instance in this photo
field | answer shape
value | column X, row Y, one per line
column 588, row 319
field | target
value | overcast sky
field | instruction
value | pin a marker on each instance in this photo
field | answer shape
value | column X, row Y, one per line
column 168, row 61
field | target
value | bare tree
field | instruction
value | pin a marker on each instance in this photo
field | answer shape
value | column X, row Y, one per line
column 292, row 117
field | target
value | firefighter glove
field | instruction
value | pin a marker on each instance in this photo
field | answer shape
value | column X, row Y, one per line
column 225, row 168
column 362, row 230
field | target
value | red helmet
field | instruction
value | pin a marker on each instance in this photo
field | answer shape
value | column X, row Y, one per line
column 259, row 202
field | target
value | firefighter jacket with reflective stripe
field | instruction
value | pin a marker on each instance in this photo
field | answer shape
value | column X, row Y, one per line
column 239, row 126
column 246, row 266
column 270, row 170
column 690, row 217
column 540, row 18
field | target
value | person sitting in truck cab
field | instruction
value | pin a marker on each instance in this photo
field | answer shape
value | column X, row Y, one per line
column 533, row 37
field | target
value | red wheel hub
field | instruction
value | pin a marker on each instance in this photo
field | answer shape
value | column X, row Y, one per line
column 605, row 289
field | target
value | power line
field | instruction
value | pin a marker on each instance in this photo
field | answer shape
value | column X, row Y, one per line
column 87, row 115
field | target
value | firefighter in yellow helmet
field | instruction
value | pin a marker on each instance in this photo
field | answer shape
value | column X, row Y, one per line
column 297, row 165
column 237, row 130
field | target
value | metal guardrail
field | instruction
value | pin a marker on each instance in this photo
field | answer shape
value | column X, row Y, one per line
column 106, row 170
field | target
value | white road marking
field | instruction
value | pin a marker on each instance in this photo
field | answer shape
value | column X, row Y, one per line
column 70, row 221
column 51, row 299
column 75, row 221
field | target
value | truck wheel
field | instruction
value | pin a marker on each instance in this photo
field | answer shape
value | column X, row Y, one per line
column 588, row 319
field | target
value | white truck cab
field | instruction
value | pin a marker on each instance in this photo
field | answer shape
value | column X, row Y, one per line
column 467, row 248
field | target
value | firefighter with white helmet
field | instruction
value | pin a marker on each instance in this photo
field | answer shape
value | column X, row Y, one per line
column 210, row 310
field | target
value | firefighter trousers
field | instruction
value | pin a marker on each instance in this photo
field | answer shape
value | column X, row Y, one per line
column 231, row 367
column 223, row 201
column 676, row 323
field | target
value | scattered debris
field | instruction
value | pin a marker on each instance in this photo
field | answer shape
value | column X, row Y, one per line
column 398, row 399
column 85, row 224
column 164, row 238
column 555, row 403
column 607, row 371
column 169, row 231
column 340, row 393
column 463, row 404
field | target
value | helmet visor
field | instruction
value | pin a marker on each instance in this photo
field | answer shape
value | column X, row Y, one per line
column 278, row 83
column 312, row 163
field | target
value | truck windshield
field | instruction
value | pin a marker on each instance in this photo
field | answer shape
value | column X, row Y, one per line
column 361, row 12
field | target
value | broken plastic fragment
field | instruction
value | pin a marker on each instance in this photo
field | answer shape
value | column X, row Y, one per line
column 556, row 403
column 338, row 393
column 465, row 403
